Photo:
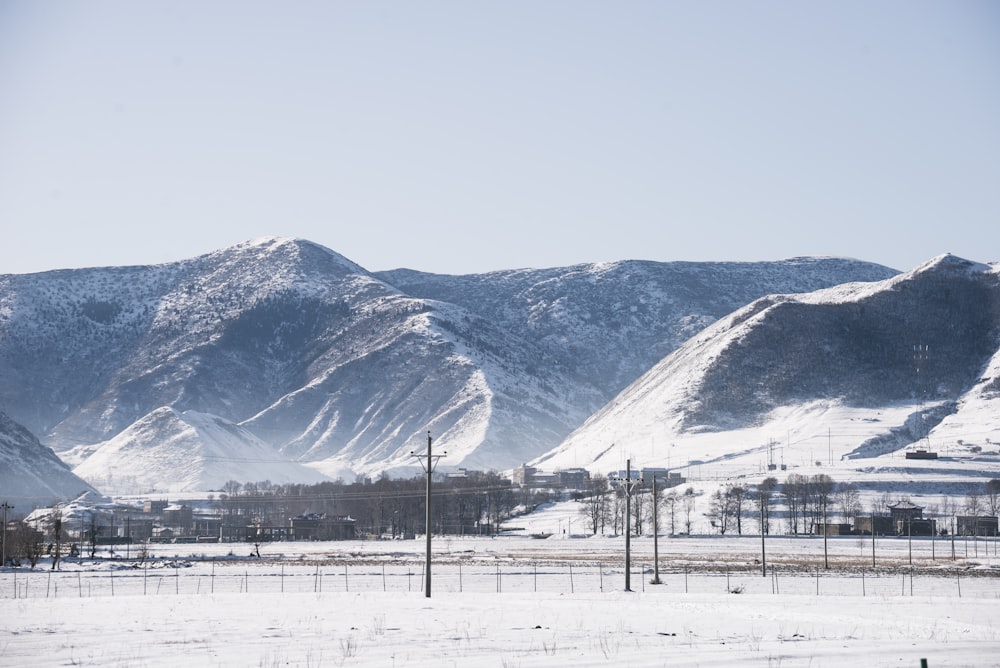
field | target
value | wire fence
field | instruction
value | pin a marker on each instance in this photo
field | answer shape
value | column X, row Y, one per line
column 187, row 578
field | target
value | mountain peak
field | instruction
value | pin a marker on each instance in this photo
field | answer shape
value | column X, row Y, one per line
column 295, row 249
column 949, row 263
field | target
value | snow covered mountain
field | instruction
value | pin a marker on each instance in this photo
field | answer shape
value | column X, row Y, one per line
column 31, row 474
column 610, row 322
column 875, row 366
column 343, row 369
column 186, row 452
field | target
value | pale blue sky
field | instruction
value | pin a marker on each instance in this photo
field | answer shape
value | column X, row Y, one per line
column 470, row 136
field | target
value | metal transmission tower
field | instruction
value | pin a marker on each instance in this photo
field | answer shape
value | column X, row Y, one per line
column 429, row 463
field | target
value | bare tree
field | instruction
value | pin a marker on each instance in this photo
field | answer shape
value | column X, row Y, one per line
column 26, row 543
column 993, row 497
column 849, row 500
column 765, row 490
column 880, row 503
column 794, row 492
column 638, row 507
column 822, row 488
column 595, row 505
column 670, row 501
column 736, row 495
column 689, row 501
column 718, row 511
column 57, row 533
column 973, row 504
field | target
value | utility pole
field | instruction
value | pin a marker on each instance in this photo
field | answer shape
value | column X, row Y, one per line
column 628, row 525
column 656, row 538
column 3, row 560
column 826, row 531
column 763, row 554
column 873, row 539
column 629, row 488
column 428, row 462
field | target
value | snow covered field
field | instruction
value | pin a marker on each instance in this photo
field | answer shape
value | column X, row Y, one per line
column 512, row 601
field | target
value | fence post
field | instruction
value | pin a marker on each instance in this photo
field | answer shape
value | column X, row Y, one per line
column 79, row 584
column 571, row 589
column 346, row 584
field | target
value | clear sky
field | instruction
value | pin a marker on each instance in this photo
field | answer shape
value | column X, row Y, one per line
column 464, row 136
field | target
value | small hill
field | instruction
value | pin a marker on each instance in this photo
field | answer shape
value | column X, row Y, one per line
column 171, row 451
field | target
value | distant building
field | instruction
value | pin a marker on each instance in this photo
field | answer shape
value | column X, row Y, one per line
column 831, row 529
column 883, row 526
column 574, row 478
column 178, row 516
column 522, row 475
column 154, row 507
column 647, row 474
column 904, row 511
column 319, row 526
column 976, row 525
column 530, row 477
column 921, row 454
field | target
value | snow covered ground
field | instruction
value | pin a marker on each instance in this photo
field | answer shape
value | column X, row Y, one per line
column 513, row 602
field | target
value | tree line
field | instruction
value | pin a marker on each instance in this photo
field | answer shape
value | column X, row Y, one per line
column 476, row 504
column 806, row 500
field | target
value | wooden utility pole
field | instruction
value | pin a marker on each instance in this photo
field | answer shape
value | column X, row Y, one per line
column 656, row 538
column 3, row 559
column 763, row 554
column 628, row 525
column 428, row 462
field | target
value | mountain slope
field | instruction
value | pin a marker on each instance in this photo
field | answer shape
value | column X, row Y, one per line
column 31, row 474
column 316, row 356
column 930, row 337
column 610, row 322
column 170, row 451
column 347, row 370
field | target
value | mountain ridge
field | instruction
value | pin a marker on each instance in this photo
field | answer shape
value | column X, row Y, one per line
column 342, row 368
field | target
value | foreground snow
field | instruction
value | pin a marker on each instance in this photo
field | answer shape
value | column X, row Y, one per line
column 388, row 629
column 508, row 602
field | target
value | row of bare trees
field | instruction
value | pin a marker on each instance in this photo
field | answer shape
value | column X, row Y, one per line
column 807, row 501
column 475, row 504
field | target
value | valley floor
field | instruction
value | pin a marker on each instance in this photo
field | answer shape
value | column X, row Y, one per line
column 510, row 601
